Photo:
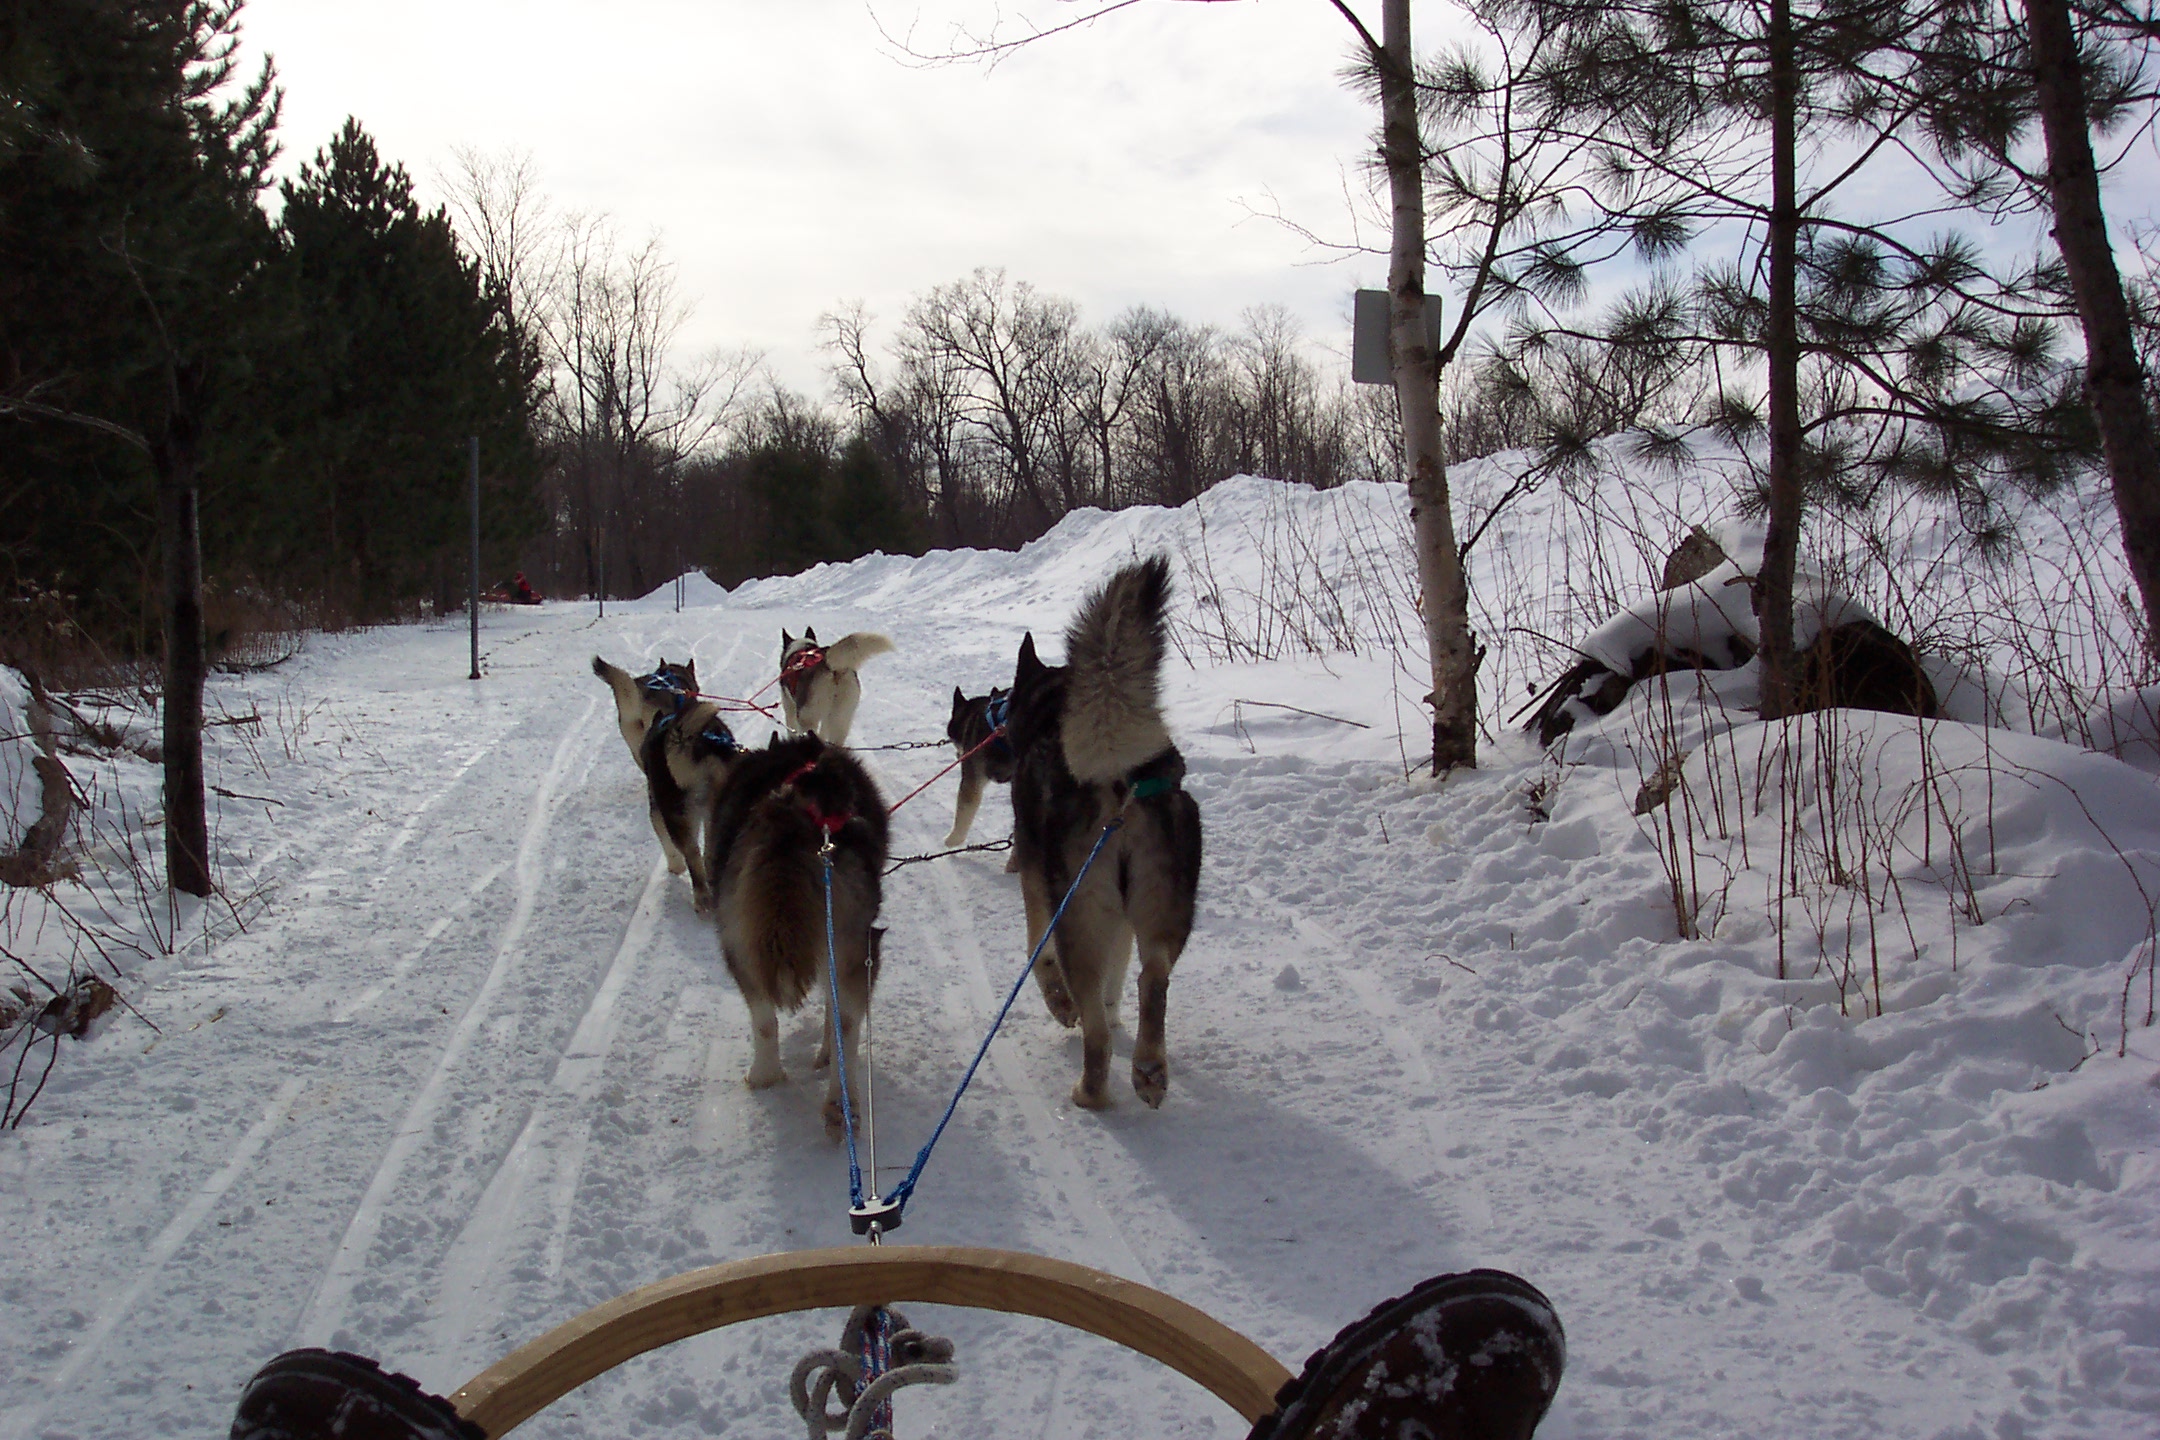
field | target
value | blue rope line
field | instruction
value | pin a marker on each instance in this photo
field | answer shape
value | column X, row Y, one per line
column 839, row 1049
column 905, row 1190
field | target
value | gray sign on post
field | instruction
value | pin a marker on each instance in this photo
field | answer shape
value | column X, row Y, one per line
column 1371, row 357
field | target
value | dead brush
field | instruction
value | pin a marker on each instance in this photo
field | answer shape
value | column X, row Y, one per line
column 1304, row 601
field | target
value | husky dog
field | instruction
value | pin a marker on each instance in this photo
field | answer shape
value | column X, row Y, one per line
column 772, row 815
column 982, row 758
column 642, row 699
column 1091, row 747
column 686, row 755
column 819, row 687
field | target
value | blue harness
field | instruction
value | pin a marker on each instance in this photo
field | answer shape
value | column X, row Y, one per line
column 663, row 685
column 995, row 714
column 715, row 733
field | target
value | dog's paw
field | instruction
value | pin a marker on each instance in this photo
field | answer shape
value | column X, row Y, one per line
column 824, row 1058
column 958, row 837
column 1012, row 863
column 1151, row 1081
column 676, row 865
column 1061, row 1007
column 765, row 1079
column 835, row 1121
column 1088, row 1099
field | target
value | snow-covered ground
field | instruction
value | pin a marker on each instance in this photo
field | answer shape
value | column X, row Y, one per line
column 459, row 1061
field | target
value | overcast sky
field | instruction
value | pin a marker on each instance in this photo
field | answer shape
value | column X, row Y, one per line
column 790, row 160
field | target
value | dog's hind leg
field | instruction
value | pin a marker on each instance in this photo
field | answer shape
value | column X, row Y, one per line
column 840, row 716
column 679, row 838
column 971, row 793
column 1150, row 1060
column 1115, row 967
column 1159, row 906
column 854, row 1005
column 1049, row 975
column 765, row 1069
column 1089, row 937
column 676, row 864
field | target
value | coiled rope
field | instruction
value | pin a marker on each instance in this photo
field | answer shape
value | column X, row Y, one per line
column 879, row 1352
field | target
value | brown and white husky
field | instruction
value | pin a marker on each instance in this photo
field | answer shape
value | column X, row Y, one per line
column 686, row 756
column 768, row 825
column 642, row 699
column 1091, row 747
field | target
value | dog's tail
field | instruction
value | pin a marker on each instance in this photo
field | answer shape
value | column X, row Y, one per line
column 849, row 651
column 618, row 680
column 1113, row 661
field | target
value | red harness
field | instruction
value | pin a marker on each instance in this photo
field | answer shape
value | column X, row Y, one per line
column 795, row 674
column 830, row 824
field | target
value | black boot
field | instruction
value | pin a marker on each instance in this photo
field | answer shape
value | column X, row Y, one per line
column 329, row 1395
column 1475, row 1356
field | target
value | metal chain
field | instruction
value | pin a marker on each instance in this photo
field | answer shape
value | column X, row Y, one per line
column 1005, row 844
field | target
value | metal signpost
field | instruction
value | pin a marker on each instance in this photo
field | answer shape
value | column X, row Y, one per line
column 475, row 453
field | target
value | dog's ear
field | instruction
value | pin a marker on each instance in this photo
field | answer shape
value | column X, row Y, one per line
column 689, row 671
column 810, row 633
column 1027, row 667
column 785, row 638
column 959, row 702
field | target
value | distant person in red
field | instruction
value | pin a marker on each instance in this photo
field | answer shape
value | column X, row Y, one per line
column 521, row 591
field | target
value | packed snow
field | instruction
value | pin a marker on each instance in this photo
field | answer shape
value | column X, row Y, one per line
column 453, row 1059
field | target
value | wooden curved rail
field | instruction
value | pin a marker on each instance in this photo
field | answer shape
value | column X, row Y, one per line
column 515, row 1388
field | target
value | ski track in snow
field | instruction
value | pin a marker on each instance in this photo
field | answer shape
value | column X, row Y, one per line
column 560, row 1126
column 319, row 1324
column 150, row 1268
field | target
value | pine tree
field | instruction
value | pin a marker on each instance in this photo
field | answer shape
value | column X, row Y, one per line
column 400, row 353
column 2069, row 72
column 865, row 510
column 1885, row 354
column 131, row 251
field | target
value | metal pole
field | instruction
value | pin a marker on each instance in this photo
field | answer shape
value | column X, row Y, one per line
column 475, row 452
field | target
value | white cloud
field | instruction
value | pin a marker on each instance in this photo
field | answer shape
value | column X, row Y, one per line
column 790, row 161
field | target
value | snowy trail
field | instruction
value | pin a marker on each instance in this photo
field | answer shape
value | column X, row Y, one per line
column 475, row 1066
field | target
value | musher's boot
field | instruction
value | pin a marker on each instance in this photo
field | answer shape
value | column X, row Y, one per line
column 1475, row 1356
column 329, row 1395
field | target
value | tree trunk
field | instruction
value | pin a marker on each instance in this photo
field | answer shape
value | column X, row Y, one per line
column 1417, row 388
column 1781, row 538
column 2114, row 379
column 175, row 457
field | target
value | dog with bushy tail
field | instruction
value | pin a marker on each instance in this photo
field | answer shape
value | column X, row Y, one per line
column 1092, row 747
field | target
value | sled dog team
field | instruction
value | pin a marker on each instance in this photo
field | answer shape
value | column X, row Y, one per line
column 1082, row 744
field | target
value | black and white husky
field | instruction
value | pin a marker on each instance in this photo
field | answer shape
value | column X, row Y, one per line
column 819, row 686
column 768, row 824
column 642, row 699
column 1091, row 747
column 985, row 754
column 686, row 756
